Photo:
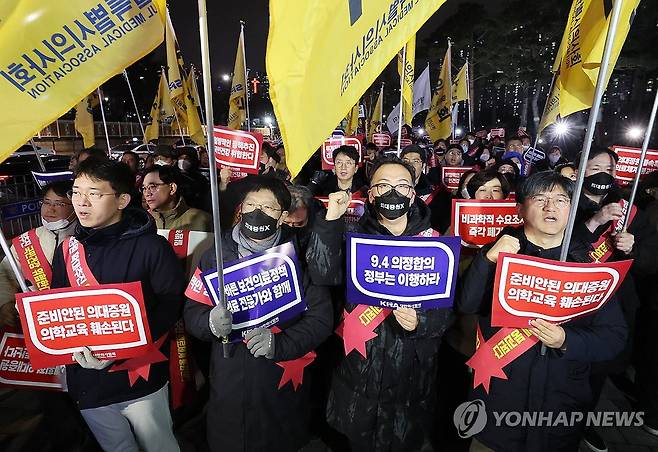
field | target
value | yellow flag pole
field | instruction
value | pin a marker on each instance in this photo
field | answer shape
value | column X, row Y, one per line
column 400, row 116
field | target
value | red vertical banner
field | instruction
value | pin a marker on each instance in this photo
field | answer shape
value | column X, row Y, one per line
column 528, row 288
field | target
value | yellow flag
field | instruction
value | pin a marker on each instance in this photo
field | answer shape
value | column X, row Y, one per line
column 194, row 127
column 582, row 50
column 439, row 119
column 176, row 91
column 53, row 54
column 237, row 104
column 192, row 88
column 162, row 110
column 407, row 79
column 84, row 121
column 551, row 111
column 459, row 85
column 352, row 121
column 328, row 53
column 375, row 124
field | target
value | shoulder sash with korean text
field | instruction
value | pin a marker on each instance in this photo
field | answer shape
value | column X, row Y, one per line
column 33, row 261
column 603, row 248
column 78, row 270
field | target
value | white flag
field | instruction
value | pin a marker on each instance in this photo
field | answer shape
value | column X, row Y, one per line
column 422, row 100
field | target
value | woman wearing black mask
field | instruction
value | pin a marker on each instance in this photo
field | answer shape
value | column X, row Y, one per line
column 386, row 401
column 247, row 409
column 600, row 218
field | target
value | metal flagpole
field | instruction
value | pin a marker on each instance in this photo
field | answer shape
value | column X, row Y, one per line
column 130, row 88
column 381, row 111
column 214, row 191
column 645, row 146
column 468, row 95
column 36, row 153
column 550, row 91
column 246, row 82
column 449, row 81
column 400, row 116
column 196, row 92
column 107, row 137
column 591, row 125
column 12, row 262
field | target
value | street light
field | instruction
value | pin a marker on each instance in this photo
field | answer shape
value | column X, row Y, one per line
column 421, row 132
column 226, row 77
column 635, row 133
column 459, row 131
column 267, row 120
column 561, row 128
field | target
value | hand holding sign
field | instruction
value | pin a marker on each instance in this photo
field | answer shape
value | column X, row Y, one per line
column 407, row 318
column 260, row 342
column 506, row 244
column 86, row 360
column 624, row 242
column 609, row 212
column 220, row 321
column 337, row 205
column 549, row 334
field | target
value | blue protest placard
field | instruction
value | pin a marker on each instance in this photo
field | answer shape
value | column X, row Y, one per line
column 261, row 290
column 392, row 272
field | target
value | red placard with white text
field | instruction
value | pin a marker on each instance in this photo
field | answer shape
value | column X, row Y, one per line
column 330, row 145
column 237, row 149
column 381, row 140
column 110, row 319
column 355, row 209
column 497, row 133
column 404, row 142
column 528, row 288
column 450, row 175
column 478, row 222
column 629, row 160
column 16, row 370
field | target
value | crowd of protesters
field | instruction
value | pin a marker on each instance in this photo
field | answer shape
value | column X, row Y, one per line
column 403, row 395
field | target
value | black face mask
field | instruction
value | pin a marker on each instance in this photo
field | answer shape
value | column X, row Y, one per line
column 257, row 225
column 392, row 205
column 598, row 183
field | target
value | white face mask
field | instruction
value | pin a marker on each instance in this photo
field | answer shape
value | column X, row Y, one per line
column 471, row 140
column 55, row 225
column 160, row 163
column 184, row 165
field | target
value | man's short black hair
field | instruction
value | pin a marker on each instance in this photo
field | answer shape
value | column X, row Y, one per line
column 482, row 177
column 93, row 153
column 166, row 151
column 59, row 187
column 372, row 146
column 542, row 182
column 596, row 150
column 274, row 185
column 513, row 138
column 414, row 149
column 349, row 151
column 190, row 152
column 167, row 174
column 391, row 160
column 118, row 174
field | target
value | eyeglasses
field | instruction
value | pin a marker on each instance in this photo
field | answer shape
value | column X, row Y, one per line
column 383, row 188
column 542, row 201
column 92, row 196
column 413, row 162
column 250, row 207
column 345, row 163
column 150, row 188
column 60, row 204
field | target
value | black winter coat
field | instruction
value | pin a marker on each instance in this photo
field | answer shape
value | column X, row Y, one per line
column 246, row 411
column 127, row 251
column 386, row 402
column 556, row 381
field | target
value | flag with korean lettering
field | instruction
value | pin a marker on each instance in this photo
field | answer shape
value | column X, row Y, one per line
column 528, row 288
column 261, row 291
column 56, row 53
column 328, row 53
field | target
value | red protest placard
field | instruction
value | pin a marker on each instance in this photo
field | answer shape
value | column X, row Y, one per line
column 450, row 175
column 237, row 149
column 497, row 133
column 110, row 319
column 528, row 288
column 330, row 145
column 16, row 370
column 629, row 160
column 381, row 140
column 479, row 222
column 355, row 210
column 404, row 142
